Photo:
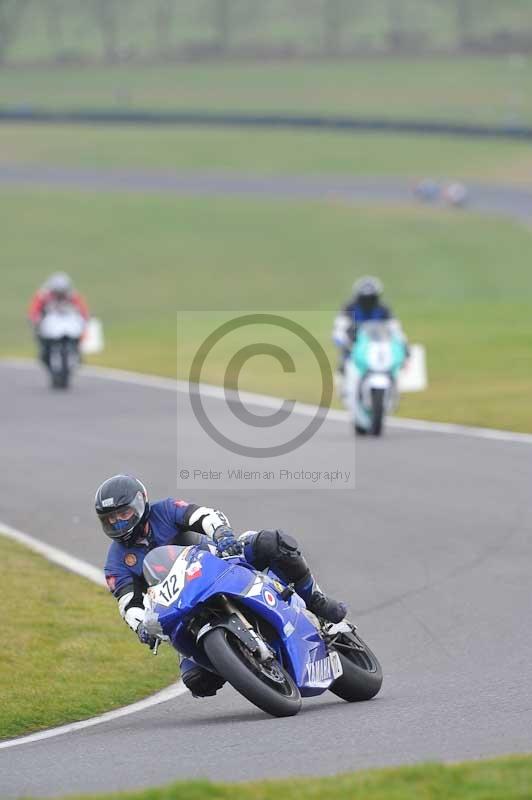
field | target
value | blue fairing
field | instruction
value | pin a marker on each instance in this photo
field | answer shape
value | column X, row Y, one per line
column 299, row 641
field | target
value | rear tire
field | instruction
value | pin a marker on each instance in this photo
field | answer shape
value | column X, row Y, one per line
column 377, row 411
column 278, row 696
column 362, row 676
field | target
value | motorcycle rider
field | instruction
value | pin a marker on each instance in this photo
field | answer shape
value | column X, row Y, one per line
column 136, row 526
column 57, row 289
column 364, row 305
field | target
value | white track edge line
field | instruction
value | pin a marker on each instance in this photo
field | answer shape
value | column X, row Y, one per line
column 85, row 570
column 303, row 409
column 55, row 555
column 170, row 693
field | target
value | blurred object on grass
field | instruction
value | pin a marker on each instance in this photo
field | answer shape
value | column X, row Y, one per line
column 427, row 190
column 455, row 194
column 93, row 340
column 413, row 376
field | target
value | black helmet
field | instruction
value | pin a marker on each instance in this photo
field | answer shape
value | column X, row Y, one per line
column 367, row 291
column 122, row 507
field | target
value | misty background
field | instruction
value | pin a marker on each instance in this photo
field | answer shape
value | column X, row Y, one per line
column 113, row 31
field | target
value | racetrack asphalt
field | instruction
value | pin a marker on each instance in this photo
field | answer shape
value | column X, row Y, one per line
column 431, row 550
column 485, row 198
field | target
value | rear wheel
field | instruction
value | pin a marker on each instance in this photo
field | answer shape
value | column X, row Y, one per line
column 265, row 684
column 377, row 411
column 362, row 675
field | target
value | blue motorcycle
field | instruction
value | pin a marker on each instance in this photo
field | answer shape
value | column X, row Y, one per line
column 253, row 630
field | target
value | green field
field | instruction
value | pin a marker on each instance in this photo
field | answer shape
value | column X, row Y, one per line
column 494, row 90
column 460, row 283
column 500, row 779
column 66, row 648
column 266, row 152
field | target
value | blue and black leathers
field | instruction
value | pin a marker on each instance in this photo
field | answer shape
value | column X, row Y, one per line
column 167, row 519
column 358, row 313
column 166, row 524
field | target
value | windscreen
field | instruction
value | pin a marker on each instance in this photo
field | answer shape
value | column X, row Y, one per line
column 377, row 331
column 159, row 562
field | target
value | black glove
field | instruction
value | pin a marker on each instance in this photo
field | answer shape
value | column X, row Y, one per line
column 226, row 542
column 145, row 637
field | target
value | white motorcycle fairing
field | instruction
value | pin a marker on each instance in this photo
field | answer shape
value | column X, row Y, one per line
column 62, row 323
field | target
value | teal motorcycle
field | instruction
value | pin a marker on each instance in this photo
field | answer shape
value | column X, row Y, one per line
column 371, row 392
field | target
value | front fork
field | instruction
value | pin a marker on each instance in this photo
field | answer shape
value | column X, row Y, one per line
column 263, row 651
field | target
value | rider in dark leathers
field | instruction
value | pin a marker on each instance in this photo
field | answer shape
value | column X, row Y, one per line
column 364, row 306
column 136, row 527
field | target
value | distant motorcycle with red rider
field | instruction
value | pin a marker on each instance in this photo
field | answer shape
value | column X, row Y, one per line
column 59, row 316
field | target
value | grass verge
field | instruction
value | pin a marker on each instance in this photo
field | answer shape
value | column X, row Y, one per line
column 460, row 283
column 66, row 648
column 267, row 152
column 491, row 90
column 498, row 779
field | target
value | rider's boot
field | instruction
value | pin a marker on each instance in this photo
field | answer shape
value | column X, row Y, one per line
column 320, row 604
column 199, row 681
column 280, row 552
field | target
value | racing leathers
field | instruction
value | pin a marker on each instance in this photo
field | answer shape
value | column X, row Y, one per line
column 166, row 523
column 43, row 301
column 346, row 325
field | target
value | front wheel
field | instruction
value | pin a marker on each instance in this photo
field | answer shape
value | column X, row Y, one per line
column 377, row 411
column 265, row 684
column 59, row 366
column 362, row 675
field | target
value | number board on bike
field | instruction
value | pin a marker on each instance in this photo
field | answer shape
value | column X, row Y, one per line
column 168, row 591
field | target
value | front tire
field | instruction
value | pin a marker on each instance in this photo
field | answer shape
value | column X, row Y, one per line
column 269, row 687
column 362, row 676
column 58, row 366
column 65, row 366
column 377, row 411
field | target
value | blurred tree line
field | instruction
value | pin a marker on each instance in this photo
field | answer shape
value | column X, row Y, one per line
column 120, row 30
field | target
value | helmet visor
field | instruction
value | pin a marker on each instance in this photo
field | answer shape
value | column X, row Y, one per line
column 368, row 301
column 60, row 295
column 119, row 523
